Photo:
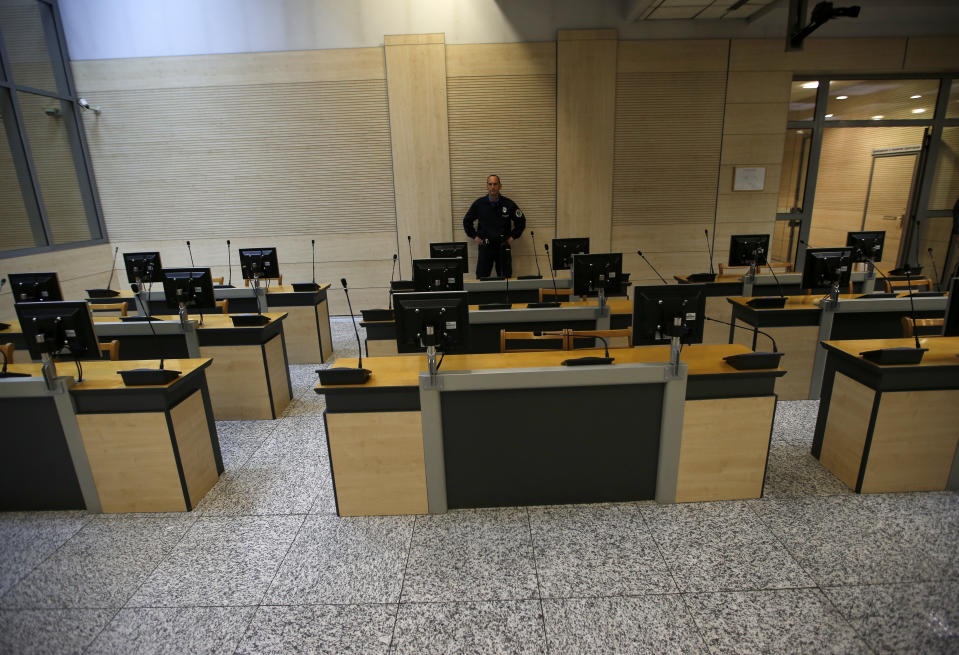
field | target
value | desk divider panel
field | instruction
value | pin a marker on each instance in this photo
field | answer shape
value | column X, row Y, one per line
column 847, row 428
column 231, row 399
column 188, row 421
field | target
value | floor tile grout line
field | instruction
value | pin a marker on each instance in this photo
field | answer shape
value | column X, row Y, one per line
column 539, row 588
column 406, row 566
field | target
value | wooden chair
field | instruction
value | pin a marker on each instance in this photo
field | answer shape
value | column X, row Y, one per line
column 7, row 350
column 112, row 349
column 121, row 307
column 560, row 295
column 900, row 286
column 218, row 280
column 224, row 305
column 583, row 338
column 529, row 342
column 924, row 327
column 278, row 280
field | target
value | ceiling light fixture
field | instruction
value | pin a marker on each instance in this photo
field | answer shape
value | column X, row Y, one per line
column 811, row 85
column 842, row 97
column 915, row 97
column 828, row 115
column 918, row 111
column 878, row 117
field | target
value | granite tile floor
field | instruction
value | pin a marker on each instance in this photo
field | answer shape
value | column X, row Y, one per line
column 264, row 565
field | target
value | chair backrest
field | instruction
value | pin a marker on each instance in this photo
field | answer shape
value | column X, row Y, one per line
column 923, row 326
column 548, row 295
column 529, row 342
column 112, row 348
column 917, row 284
column 224, row 305
column 218, row 280
column 120, row 307
column 619, row 338
column 7, row 350
column 278, row 280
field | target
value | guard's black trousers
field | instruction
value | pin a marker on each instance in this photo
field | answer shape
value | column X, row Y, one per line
column 494, row 255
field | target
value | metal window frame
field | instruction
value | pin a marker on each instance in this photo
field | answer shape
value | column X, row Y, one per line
column 55, row 40
column 819, row 124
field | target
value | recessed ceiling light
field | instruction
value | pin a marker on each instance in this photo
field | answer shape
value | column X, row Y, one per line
column 918, row 111
column 915, row 97
column 828, row 115
column 810, row 85
column 878, row 117
column 842, row 97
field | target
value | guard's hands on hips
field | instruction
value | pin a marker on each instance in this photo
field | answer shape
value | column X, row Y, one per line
column 478, row 240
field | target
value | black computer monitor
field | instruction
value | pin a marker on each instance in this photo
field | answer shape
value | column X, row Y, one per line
column 656, row 308
column 437, row 275
column 446, row 312
column 866, row 246
column 35, row 287
column 451, row 250
column 746, row 249
column 66, row 327
column 259, row 262
column 143, row 265
column 191, row 286
column 597, row 271
column 564, row 249
column 826, row 267
column 951, row 325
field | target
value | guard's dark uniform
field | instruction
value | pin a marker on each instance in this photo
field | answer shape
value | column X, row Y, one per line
column 497, row 221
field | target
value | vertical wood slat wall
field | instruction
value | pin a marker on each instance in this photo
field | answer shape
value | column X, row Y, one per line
column 753, row 110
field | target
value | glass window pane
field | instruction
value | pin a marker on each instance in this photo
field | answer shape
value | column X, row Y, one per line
column 792, row 182
column 16, row 232
column 882, row 99
column 48, row 124
column 28, row 33
column 945, row 185
column 802, row 100
column 785, row 240
column 935, row 232
column 952, row 111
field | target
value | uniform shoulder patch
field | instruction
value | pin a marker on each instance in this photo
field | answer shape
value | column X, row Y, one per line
column 505, row 210
column 519, row 213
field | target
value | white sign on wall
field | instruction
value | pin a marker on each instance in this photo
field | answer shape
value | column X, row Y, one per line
column 749, row 179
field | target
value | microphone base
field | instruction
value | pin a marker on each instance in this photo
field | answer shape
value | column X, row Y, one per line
column 306, row 286
column 491, row 279
column 139, row 377
column 138, row 319
column 402, row 285
column 589, row 361
column 102, row 293
column 905, row 271
column 529, row 277
column 701, row 277
column 767, row 302
column 248, row 320
column 12, row 374
column 495, row 305
column 749, row 361
column 223, row 286
column 903, row 355
column 377, row 314
column 4, row 326
column 344, row 375
column 878, row 294
column 540, row 305
column 925, row 294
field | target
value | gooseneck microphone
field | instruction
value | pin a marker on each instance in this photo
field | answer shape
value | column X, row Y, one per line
column 344, row 374
column 640, row 253
column 551, row 275
column 748, row 329
column 229, row 265
column 532, row 238
column 313, row 258
column 409, row 241
column 102, row 293
column 935, row 270
column 710, row 251
column 117, row 249
column 191, row 254
column 392, row 274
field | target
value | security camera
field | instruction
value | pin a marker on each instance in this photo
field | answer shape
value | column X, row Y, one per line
column 51, row 111
column 825, row 11
column 83, row 103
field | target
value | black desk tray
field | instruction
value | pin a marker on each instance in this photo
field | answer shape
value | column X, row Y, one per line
column 539, row 305
column 901, row 355
column 490, row 279
column 701, row 277
column 138, row 377
column 306, row 286
column 223, row 286
column 495, row 305
column 529, row 277
column 102, row 293
column 247, row 320
column 878, row 294
column 748, row 361
column 377, row 314
column 344, row 375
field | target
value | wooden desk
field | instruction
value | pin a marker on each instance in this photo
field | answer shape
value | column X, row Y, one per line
column 890, row 428
column 378, row 432
column 307, row 326
column 100, row 445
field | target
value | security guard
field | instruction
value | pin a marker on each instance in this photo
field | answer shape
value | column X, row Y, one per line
column 500, row 223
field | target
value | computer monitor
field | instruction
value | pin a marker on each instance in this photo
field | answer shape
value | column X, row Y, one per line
column 866, row 246
column 191, row 286
column 437, row 275
column 656, row 308
column 451, row 250
column 259, row 262
column 446, row 312
column 66, row 327
column 564, row 249
column 143, row 265
column 35, row 287
column 597, row 271
column 951, row 325
column 746, row 249
column 826, row 267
